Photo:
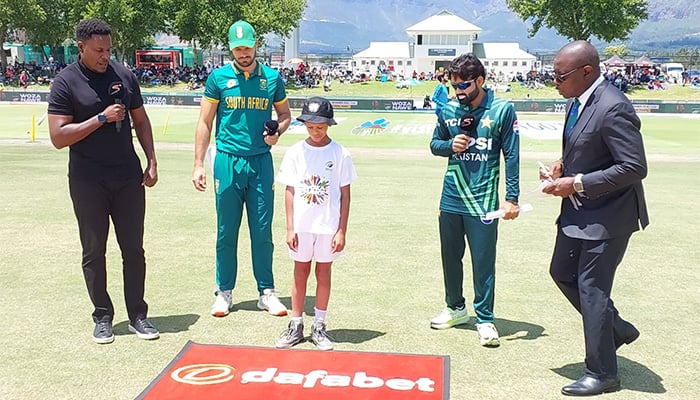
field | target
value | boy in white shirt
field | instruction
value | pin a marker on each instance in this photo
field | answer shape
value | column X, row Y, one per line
column 317, row 173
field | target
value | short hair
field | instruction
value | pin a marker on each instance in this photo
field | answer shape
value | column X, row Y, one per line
column 466, row 67
column 90, row 27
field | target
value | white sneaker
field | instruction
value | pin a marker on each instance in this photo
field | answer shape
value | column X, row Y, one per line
column 271, row 303
column 449, row 318
column 488, row 335
column 223, row 303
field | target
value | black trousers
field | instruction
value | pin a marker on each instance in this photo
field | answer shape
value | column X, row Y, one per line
column 94, row 203
column 584, row 271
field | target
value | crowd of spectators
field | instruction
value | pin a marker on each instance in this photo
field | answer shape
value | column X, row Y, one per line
column 302, row 75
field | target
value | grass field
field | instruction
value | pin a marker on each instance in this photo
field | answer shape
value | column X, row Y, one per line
column 386, row 287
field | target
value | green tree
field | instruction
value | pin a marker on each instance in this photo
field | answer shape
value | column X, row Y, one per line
column 205, row 23
column 14, row 17
column 134, row 22
column 582, row 19
column 50, row 26
column 619, row 50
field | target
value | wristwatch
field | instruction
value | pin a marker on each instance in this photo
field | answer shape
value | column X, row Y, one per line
column 578, row 183
column 102, row 118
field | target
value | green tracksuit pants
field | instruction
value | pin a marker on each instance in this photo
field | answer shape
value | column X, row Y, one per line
column 481, row 238
column 240, row 180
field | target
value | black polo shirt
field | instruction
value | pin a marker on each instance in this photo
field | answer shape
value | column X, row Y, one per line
column 105, row 154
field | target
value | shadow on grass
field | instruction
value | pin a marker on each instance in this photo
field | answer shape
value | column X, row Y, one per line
column 252, row 305
column 634, row 376
column 354, row 336
column 164, row 324
column 512, row 330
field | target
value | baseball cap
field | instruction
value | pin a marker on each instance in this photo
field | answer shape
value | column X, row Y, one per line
column 317, row 110
column 241, row 33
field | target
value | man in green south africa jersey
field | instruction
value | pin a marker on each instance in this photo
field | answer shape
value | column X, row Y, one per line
column 241, row 96
column 473, row 131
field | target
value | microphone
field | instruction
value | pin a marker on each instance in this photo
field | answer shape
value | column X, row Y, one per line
column 116, row 91
column 271, row 127
column 468, row 123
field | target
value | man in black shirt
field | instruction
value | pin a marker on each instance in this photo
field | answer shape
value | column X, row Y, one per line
column 91, row 106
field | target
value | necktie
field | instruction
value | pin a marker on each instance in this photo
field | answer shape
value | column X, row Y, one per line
column 573, row 116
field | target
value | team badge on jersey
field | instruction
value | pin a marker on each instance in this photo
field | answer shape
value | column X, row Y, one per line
column 263, row 84
column 231, row 83
column 516, row 130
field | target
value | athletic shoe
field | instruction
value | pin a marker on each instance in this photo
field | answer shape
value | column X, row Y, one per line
column 271, row 303
column 320, row 337
column 488, row 335
column 144, row 329
column 293, row 335
column 103, row 333
column 449, row 318
column 223, row 304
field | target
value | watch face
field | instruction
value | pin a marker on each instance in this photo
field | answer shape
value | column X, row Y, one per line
column 102, row 118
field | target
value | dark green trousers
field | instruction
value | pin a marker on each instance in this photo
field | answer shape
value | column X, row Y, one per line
column 240, row 181
column 481, row 237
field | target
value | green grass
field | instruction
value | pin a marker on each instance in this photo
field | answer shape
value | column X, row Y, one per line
column 385, row 288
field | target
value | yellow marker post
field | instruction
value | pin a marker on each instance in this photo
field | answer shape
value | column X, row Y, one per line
column 165, row 125
column 33, row 127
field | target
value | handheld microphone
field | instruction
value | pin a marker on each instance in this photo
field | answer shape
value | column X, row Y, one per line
column 116, row 91
column 468, row 123
column 271, row 127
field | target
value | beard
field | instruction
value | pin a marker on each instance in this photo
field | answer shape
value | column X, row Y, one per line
column 245, row 63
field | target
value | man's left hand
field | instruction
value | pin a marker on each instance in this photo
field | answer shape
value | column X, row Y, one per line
column 511, row 210
column 562, row 187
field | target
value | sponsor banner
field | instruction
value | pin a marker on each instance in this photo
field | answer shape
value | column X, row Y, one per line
column 203, row 371
column 371, row 104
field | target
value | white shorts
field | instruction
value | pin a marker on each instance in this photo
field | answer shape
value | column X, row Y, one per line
column 311, row 245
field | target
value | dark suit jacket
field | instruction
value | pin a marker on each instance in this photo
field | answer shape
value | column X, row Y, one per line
column 606, row 147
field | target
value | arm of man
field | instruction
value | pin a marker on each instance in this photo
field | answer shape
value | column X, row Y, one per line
column 621, row 134
column 144, row 133
column 510, row 147
column 442, row 144
column 284, row 115
column 64, row 132
column 202, row 137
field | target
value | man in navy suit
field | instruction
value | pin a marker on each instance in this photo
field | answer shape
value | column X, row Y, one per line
column 599, row 179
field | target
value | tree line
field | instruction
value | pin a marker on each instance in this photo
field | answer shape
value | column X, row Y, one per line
column 201, row 23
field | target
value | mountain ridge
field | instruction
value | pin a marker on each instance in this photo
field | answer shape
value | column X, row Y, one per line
column 348, row 26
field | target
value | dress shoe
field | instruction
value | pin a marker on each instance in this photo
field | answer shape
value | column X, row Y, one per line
column 625, row 333
column 590, row 386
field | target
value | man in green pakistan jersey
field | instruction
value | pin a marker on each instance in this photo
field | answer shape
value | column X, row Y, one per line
column 241, row 96
column 472, row 131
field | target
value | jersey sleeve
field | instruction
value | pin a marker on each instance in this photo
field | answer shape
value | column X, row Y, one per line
column 288, row 171
column 60, row 102
column 510, row 147
column 211, row 89
column 347, row 169
column 280, row 91
column 441, row 143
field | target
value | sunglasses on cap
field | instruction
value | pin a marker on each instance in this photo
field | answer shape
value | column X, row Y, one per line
column 462, row 85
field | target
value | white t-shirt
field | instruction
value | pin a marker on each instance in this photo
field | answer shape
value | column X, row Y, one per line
column 317, row 174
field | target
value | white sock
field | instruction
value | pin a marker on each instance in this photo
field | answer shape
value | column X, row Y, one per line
column 319, row 315
column 298, row 320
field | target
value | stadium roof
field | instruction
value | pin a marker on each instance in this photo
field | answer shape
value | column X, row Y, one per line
column 385, row 50
column 444, row 21
column 496, row 51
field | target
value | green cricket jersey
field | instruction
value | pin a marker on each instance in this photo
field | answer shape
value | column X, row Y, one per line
column 244, row 104
column 470, row 185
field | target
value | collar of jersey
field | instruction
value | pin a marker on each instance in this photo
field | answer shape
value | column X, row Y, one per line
column 256, row 71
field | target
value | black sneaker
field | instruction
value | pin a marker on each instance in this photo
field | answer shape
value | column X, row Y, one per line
column 144, row 329
column 103, row 333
